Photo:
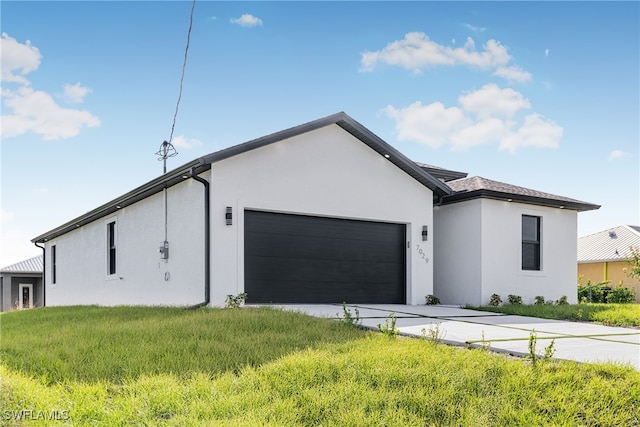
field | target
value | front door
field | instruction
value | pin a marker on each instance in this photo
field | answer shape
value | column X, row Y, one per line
column 25, row 299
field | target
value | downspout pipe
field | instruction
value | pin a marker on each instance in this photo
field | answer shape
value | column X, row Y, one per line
column 207, row 241
column 44, row 274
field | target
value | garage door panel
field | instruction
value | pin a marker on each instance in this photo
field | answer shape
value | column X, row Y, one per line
column 296, row 269
column 296, row 246
column 305, row 259
column 300, row 225
column 319, row 293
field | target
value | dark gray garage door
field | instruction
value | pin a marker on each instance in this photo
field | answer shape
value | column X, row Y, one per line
column 306, row 259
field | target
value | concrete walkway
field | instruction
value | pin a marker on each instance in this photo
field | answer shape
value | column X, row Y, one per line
column 582, row 342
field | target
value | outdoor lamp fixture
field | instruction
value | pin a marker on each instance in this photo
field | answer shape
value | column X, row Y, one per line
column 229, row 215
column 425, row 233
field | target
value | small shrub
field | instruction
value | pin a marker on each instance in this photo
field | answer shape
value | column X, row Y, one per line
column 592, row 292
column 389, row 328
column 548, row 350
column 621, row 295
column 514, row 299
column 235, row 301
column 495, row 300
column 539, row 300
column 432, row 300
column 349, row 318
column 562, row 300
column 484, row 344
column 434, row 334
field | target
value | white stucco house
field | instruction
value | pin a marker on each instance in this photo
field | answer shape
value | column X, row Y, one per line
column 325, row 212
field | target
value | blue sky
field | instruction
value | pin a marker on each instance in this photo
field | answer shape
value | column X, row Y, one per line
column 543, row 95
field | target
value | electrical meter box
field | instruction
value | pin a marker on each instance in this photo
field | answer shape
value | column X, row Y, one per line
column 164, row 250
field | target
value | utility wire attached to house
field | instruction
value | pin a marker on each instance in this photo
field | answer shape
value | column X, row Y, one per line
column 166, row 148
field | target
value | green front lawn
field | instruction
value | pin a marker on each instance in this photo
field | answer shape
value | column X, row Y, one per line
column 167, row 366
column 627, row 315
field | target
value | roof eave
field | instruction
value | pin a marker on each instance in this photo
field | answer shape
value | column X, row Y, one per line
column 354, row 128
column 167, row 180
column 508, row 197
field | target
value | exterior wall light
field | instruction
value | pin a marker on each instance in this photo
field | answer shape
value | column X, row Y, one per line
column 425, row 233
column 228, row 216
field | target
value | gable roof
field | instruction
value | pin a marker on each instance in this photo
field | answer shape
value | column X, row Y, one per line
column 609, row 245
column 31, row 265
column 477, row 187
column 204, row 163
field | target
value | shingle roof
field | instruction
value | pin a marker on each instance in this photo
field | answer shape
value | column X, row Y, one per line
column 31, row 265
column 476, row 186
column 609, row 245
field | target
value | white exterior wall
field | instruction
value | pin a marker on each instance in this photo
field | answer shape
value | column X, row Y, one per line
column 142, row 277
column 458, row 252
column 478, row 246
column 326, row 172
column 502, row 252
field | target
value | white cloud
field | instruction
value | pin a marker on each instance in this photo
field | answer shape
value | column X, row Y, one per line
column 75, row 93
column 513, row 74
column 247, row 20
column 427, row 124
column 537, row 131
column 17, row 59
column 616, row 154
column 546, row 52
column 181, row 141
column 486, row 116
column 36, row 111
column 416, row 52
column 490, row 100
column 474, row 28
column 28, row 110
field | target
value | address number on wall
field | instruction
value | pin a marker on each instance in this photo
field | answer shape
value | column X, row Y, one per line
column 422, row 254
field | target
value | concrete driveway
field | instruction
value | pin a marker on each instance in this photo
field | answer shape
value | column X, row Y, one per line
column 582, row 342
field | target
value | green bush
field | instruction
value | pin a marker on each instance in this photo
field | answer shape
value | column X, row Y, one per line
column 514, row 299
column 539, row 300
column 562, row 300
column 621, row 295
column 432, row 300
column 495, row 300
column 592, row 292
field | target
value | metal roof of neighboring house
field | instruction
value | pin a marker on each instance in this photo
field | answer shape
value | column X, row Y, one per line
column 204, row 163
column 609, row 245
column 31, row 265
column 477, row 187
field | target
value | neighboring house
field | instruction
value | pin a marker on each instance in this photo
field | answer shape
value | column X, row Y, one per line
column 604, row 257
column 21, row 285
column 325, row 212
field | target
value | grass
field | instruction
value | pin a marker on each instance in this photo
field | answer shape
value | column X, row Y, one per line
column 626, row 315
column 343, row 376
column 119, row 343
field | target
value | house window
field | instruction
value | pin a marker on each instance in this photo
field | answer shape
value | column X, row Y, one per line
column 54, row 259
column 111, row 248
column 531, row 242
